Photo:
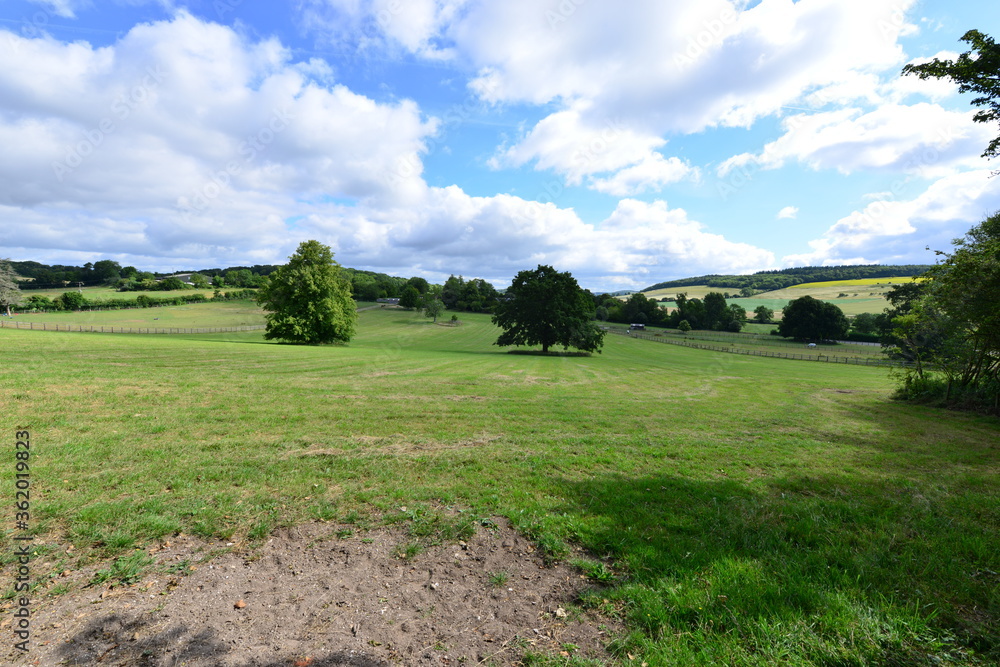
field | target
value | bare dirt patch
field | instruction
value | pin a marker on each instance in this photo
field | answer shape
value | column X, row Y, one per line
column 323, row 595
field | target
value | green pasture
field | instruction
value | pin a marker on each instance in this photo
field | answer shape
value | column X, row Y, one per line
column 106, row 293
column 747, row 511
column 863, row 296
column 208, row 314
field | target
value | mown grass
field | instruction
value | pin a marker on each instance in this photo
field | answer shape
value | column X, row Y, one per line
column 749, row 511
column 209, row 314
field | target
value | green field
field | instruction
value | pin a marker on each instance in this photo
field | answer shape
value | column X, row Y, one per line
column 752, row 511
column 863, row 296
column 106, row 293
column 222, row 314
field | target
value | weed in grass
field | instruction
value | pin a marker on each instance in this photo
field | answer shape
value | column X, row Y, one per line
column 344, row 533
column 126, row 569
column 408, row 550
column 180, row 567
column 595, row 570
column 59, row 589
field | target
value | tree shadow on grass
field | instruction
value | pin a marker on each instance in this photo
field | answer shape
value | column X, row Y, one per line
column 116, row 639
column 895, row 572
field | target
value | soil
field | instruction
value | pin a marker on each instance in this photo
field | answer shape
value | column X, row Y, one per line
column 315, row 595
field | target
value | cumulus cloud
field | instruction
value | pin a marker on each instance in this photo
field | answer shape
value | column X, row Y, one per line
column 788, row 213
column 884, row 231
column 923, row 139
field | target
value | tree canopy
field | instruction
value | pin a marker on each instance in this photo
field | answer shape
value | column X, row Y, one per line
column 10, row 292
column 807, row 318
column 545, row 307
column 975, row 71
column 309, row 300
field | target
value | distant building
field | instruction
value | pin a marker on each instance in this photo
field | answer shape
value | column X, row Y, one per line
column 392, row 302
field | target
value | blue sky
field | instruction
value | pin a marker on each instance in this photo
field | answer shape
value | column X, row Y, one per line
column 629, row 143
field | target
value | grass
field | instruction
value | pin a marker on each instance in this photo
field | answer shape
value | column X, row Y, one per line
column 750, row 511
column 204, row 315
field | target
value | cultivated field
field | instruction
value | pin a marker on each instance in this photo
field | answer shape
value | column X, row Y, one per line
column 862, row 296
column 221, row 314
column 733, row 509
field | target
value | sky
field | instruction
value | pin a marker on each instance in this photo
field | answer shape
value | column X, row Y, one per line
column 626, row 142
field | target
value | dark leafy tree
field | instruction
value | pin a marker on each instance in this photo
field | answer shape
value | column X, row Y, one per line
column 864, row 323
column 763, row 314
column 545, row 307
column 737, row 317
column 419, row 283
column 308, row 300
column 410, row 298
column 451, row 293
column 807, row 318
column 715, row 311
column 73, row 300
column 976, row 71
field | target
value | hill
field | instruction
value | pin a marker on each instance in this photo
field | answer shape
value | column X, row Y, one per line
column 767, row 281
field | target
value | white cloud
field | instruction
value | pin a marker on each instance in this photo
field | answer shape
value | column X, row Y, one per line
column 788, row 213
column 922, row 139
column 890, row 231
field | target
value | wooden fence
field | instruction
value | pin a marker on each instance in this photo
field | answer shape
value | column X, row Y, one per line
column 818, row 356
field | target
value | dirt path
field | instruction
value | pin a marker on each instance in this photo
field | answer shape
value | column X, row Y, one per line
column 309, row 597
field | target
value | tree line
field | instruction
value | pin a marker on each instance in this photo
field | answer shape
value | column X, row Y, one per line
column 766, row 281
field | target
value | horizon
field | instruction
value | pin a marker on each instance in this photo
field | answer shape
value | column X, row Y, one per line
column 627, row 145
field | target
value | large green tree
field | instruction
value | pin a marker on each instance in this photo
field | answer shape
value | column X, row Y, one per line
column 309, row 300
column 807, row 318
column 10, row 292
column 956, row 322
column 975, row 71
column 545, row 307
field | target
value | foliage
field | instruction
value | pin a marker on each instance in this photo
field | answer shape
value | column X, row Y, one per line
column 474, row 296
column 548, row 308
column 410, row 298
column 975, row 71
column 72, row 301
column 684, row 326
column 807, row 318
column 864, row 323
column 952, row 326
column 763, row 314
column 308, row 300
column 10, row 292
column 774, row 280
column 434, row 307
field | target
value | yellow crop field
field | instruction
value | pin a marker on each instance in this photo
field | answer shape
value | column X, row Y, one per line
column 857, row 281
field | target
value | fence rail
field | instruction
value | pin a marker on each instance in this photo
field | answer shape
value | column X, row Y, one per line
column 827, row 358
column 46, row 326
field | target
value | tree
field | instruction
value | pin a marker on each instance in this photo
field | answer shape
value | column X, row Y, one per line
column 548, row 308
column 309, row 300
column 954, row 326
column 763, row 314
column 976, row 71
column 715, row 311
column 73, row 300
column 807, row 318
column 737, row 317
column 10, row 291
column 864, row 323
column 410, row 297
column 433, row 308
column 684, row 326
column 419, row 283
